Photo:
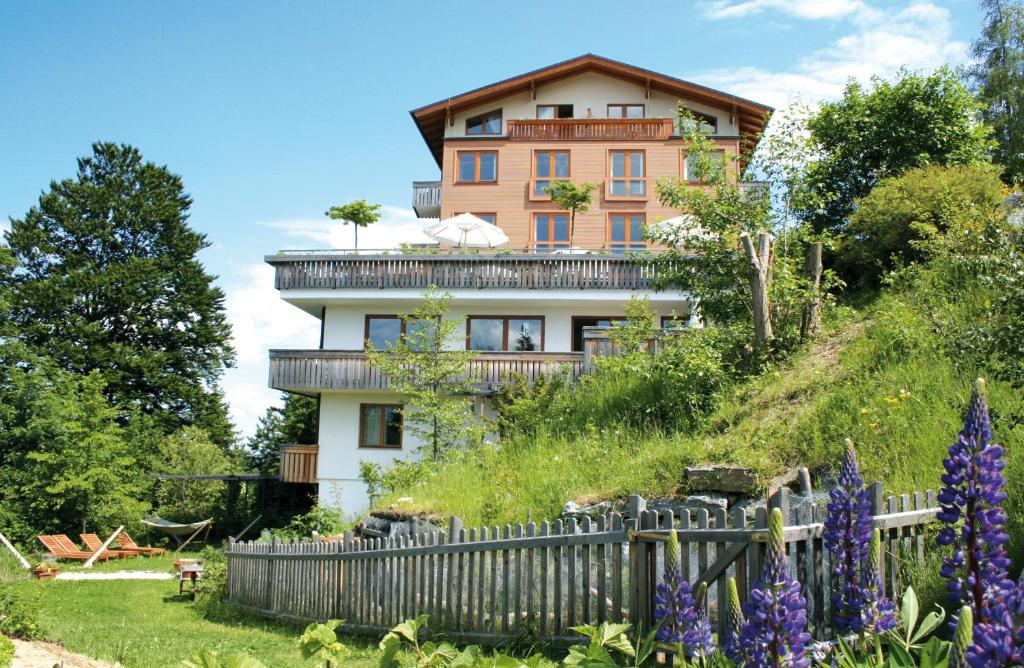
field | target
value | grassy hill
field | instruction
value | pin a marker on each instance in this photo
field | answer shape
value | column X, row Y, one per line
column 879, row 376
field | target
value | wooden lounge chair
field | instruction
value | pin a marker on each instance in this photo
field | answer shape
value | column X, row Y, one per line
column 69, row 546
column 94, row 542
column 126, row 543
column 55, row 548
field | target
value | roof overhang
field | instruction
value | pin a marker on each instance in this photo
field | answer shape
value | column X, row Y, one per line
column 430, row 119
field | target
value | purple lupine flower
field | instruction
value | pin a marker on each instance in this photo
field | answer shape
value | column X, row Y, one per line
column 697, row 639
column 999, row 643
column 775, row 631
column 975, row 524
column 847, row 537
column 877, row 612
column 673, row 600
column 734, row 622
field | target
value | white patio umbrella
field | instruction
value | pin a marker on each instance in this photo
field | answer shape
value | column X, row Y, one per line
column 467, row 231
column 686, row 223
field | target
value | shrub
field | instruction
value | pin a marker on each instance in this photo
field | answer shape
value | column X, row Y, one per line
column 19, row 617
column 6, row 652
column 325, row 520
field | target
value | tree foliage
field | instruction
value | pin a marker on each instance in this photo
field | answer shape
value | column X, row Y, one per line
column 572, row 198
column 190, row 451
column 883, row 130
column 294, row 422
column 902, row 216
column 108, row 281
column 999, row 79
column 431, row 369
column 358, row 212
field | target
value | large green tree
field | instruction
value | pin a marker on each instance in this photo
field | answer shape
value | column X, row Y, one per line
column 108, row 280
column 999, row 77
column 883, row 130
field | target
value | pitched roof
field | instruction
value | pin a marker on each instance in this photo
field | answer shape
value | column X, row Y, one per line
column 430, row 119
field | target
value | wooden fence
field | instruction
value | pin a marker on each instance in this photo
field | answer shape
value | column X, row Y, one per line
column 530, row 581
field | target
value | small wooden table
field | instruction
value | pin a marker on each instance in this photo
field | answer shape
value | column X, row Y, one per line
column 189, row 573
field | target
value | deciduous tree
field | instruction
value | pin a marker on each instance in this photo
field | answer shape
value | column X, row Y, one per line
column 573, row 198
column 359, row 213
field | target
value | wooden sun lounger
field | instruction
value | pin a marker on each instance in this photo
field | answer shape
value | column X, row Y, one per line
column 94, row 542
column 126, row 542
column 69, row 546
column 55, row 548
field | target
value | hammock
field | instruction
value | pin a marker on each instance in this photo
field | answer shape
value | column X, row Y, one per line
column 178, row 531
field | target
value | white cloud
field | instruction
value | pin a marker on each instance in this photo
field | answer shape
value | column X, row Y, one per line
column 916, row 36
column 396, row 226
column 261, row 320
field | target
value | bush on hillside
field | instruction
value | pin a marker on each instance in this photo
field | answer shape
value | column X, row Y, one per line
column 904, row 217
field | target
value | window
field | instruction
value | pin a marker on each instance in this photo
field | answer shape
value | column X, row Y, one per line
column 625, row 111
column 674, row 322
column 505, row 333
column 485, row 124
column 384, row 330
column 380, row 426
column 548, row 167
column 626, row 232
column 548, row 111
column 491, row 218
column 477, row 167
column 550, row 231
column 627, row 171
column 579, row 322
column 706, row 123
column 693, row 170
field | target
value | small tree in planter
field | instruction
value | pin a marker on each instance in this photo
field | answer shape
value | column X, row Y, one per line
column 358, row 212
column 573, row 198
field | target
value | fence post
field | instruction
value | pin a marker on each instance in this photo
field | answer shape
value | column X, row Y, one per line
column 779, row 498
column 876, row 493
column 270, row 574
column 637, row 505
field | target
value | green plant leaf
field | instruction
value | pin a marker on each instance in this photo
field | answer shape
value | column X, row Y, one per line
column 934, row 654
column 931, row 622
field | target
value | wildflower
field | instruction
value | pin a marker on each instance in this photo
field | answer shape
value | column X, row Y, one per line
column 974, row 519
column 1000, row 642
column 697, row 640
column 865, row 411
column 873, row 425
column 891, row 400
column 775, row 631
column 673, row 600
column 731, row 642
column 878, row 614
column 847, row 537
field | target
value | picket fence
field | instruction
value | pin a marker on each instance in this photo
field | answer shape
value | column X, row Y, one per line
column 535, row 582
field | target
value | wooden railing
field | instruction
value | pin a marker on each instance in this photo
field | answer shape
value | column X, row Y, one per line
column 547, row 271
column 496, row 585
column 426, row 198
column 298, row 463
column 569, row 129
column 316, row 370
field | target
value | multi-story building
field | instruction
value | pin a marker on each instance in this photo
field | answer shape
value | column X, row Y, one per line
column 526, row 305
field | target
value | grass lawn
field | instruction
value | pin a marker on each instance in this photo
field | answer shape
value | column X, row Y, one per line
column 144, row 623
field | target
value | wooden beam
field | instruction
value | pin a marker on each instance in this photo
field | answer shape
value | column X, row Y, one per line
column 14, row 551
column 95, row 555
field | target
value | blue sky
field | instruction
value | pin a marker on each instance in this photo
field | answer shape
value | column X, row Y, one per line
column 273, row 111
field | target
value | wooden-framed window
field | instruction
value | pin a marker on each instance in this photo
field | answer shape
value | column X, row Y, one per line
column 380, row 426
column 491, row 218
column 626, row 232
column 697, row 172
column 625, row 111
column 495, row 333
column 551, row 111
column 627, row 172
column 550, row 231
column 581, row 321
column 485, row 124
column 476, row 167
column 548, row 167
column 384, row 331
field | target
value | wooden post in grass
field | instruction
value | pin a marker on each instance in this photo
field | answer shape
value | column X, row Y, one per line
column 810, row 323
column 14, row 551
column 760, row 274
column 97, row 553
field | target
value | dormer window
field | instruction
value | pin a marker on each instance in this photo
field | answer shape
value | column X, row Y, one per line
column 485, row 124
column 551, row 111
column 706, row 123
column 625, row 111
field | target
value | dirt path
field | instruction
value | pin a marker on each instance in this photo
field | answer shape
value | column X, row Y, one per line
column 42, row 654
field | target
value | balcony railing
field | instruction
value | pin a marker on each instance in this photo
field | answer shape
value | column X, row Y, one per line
column 311, row 371
column 298, row 270
column 573, row 129
column 426, row 198
column 298, row 463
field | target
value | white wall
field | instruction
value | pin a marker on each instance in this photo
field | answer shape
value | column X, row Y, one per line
column 345, row 325
column 589, row 90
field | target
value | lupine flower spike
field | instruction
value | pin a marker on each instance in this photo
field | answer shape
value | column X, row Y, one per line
column 673, row 600
column 847, row 537
column 975, row 524
column 697, row 640
column 775, row 631
column 731, row 642
column 878, row 614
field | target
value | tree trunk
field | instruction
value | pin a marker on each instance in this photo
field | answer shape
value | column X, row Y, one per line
column 810, row 323
column 760, row 276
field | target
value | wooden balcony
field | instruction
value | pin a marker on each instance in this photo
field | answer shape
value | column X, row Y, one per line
column 462, row 270
column 426, row 198
column 312, row 371
column 298, row 463
column 577, row 129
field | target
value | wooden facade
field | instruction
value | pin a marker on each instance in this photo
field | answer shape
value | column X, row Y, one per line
column 511, row 197
column 298, row 463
